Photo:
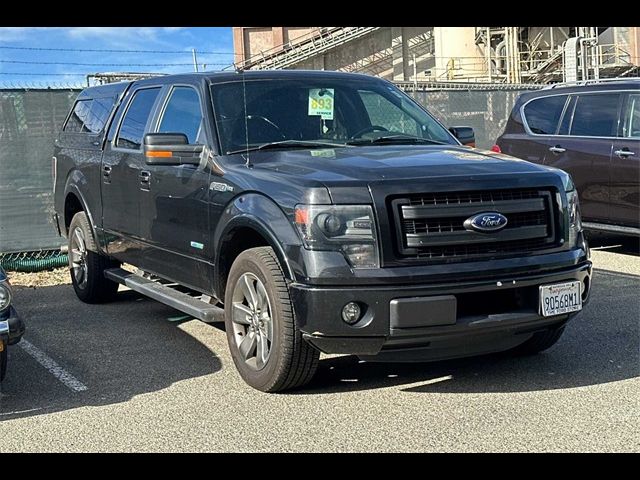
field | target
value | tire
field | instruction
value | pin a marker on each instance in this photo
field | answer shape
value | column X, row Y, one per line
column 3, row 360
column 539, row 342
column 289, row 362
column 86, row 266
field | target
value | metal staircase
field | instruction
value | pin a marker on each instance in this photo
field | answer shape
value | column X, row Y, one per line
column 288, row 54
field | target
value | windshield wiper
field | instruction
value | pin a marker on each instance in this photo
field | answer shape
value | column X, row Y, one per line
column 286, row 144
column 398, row 139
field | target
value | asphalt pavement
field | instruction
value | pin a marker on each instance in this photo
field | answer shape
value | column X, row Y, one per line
column 135, row 375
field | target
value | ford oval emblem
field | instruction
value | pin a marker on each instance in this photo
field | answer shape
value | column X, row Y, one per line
column 486, row 222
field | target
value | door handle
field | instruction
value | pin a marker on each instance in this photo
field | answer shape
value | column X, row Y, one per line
column 557, row 149
column 106, row 170
column 624, row 153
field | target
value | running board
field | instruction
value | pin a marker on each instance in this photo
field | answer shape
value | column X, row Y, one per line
column 601, row 227
column 169, row 296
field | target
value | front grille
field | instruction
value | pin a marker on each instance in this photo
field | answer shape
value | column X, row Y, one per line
column 454, row 224
column 430, row 226
column 450, row 198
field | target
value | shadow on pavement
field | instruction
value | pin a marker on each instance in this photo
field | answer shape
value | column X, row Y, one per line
column 627, row 245
column 118, row 350
column 600, row 345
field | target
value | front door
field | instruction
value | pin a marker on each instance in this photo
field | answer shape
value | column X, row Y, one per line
column 175, row 210
column 123, row 177
column 625, row 167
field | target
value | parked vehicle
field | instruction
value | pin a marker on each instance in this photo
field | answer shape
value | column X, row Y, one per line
column 315, row 211
column 592, row 131
column 11, row 325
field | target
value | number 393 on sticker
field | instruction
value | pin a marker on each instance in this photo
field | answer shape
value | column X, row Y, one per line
column 321, row 102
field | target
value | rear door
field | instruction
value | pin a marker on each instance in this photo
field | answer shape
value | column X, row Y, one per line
column 79, row 148
column 123, row 178
column 584, row 149
column 540, row 116
column 625, row 166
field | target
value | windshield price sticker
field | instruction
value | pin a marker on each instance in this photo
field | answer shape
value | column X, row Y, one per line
column 321, row 102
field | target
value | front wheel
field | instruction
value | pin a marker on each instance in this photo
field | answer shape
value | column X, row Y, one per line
column 266, row 346
column 86, row 265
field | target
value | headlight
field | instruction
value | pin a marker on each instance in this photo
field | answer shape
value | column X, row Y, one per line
column 573, row 209
column 349, row 229
column 5, row 296
column 573, row 205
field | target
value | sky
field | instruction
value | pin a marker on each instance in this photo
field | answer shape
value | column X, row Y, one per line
column 39, row 51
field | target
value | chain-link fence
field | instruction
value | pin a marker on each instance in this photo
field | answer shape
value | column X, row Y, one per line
column 30, row 119
column 484, row 107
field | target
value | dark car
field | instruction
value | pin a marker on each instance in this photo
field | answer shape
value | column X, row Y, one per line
column 592, row 131
column 315, row 211
column 11, row 326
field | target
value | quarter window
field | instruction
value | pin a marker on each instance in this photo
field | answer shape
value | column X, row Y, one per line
column 182, row 114
column 543, row 114
column 79, row 114
column 90, row 115
column 135, row 120
column 596, row 115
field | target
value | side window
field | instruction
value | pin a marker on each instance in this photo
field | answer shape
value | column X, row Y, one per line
column 543, row 114
column 385, row 114
column 99, row 114
column 632, row 117
column 135, row 119
column 79, row 116
column 596, row 115
column 182, row 114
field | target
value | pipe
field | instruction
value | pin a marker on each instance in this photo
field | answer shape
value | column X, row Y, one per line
column 34, row 265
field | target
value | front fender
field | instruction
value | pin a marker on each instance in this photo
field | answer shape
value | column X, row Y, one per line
column 263, row 215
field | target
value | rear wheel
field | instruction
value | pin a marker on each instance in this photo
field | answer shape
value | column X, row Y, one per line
column 539, row 342
column 86, row 265
column 266, row 346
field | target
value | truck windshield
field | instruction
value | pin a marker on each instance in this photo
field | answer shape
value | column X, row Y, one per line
column 314, row 113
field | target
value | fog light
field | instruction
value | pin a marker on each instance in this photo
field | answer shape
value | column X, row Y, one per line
column 351, row 313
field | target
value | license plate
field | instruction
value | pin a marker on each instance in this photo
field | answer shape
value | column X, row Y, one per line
column 560, row 298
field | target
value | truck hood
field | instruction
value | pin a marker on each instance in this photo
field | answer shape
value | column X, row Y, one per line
column 353, row 174
column 376, row 163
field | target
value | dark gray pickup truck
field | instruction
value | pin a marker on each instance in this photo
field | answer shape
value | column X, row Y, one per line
column 315, row 212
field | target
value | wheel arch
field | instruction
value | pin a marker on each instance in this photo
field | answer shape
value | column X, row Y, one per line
column 251, row 220
column 73, row 198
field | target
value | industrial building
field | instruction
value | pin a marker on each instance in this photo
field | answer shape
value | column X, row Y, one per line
column 435, row 54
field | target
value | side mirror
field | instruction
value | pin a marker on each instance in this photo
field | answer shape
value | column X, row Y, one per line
column 465, row 135
column 170, row 149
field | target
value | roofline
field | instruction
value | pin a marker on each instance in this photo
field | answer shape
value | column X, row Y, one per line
column 580, row 83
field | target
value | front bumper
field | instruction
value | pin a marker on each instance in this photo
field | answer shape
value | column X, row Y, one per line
column 450, row 326
column 11, row 327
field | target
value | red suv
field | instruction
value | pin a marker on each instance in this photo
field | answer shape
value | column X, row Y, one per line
column 592, row 131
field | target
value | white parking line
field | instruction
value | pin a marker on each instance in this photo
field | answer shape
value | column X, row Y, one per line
column 18, row 412
column 50, row 364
